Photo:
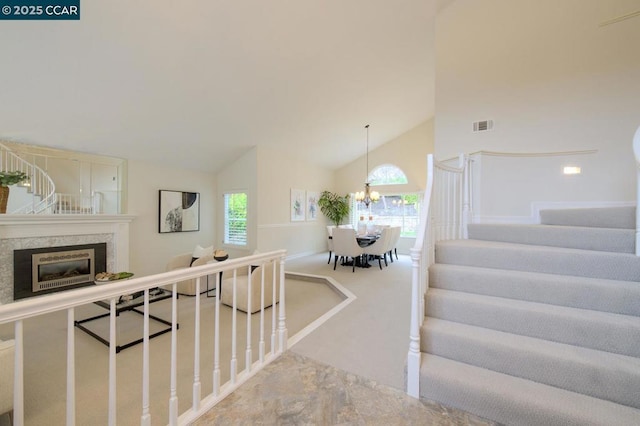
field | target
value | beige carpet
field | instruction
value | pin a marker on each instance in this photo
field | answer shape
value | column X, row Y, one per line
column 45, row 357
column 370, row 337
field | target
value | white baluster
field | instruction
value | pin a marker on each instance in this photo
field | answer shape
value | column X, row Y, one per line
column 112, row 362
column 274, row 289
column 145, row 419
column 18, row 376
column 261, row 343
column 216, row 340
column 636, row 151
column 234, row 361
column 71, row 372
column 248, row 352
column 196, row 352
column 173, row 399
column 282, row 326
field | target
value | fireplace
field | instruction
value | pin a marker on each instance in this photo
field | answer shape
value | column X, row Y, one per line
column 51, row 269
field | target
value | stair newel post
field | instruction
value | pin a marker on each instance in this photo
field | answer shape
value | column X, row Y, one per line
column 465, row 165
column 413, row 357
column 636, row 151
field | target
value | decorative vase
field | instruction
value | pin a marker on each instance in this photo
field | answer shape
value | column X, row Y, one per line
column 4, row 197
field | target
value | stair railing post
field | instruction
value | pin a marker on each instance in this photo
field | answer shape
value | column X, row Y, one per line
column 465, row 164
column 636, row 151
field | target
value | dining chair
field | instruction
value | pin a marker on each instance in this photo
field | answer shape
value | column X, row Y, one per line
column 345, row 245
column 393, row 244
column 381, row 247
column 330, row 240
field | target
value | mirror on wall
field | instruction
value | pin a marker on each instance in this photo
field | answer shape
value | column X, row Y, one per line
column 63, row 182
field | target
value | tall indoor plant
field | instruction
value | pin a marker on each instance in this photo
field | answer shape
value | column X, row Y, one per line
column 334, row 206
column 7, row 179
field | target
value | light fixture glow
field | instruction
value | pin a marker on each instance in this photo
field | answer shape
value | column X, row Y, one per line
column 571, row 170
column 367, row 196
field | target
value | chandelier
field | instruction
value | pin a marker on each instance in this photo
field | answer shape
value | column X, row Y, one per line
column 367, row 196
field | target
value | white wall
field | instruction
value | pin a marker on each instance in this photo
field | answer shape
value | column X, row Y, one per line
column 149, row 250
column 278, row 173
column 550, row 77
column 408, row 151
column 239, row 176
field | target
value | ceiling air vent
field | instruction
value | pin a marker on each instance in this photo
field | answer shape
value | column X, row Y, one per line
column 482, row 126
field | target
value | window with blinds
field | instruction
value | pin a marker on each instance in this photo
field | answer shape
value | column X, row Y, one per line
column 235, row 218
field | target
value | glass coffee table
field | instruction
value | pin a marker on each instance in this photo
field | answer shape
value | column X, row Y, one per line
column 129, row 303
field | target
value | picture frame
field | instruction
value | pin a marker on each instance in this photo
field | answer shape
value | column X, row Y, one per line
column 297, row 205
column 178, row 211
column 311, row 205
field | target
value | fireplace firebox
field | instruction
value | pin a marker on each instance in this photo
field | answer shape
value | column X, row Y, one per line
column 51, row 269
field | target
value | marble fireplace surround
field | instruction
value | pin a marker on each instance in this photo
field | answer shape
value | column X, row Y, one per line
column 33, row 231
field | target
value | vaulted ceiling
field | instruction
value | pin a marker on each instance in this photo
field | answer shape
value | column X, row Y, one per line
column 196, row 84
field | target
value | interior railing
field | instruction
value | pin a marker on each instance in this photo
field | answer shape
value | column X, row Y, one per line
column 20, row 311
column 636, row 151
column 39, row 182
column 445, row 215
column 75, row 204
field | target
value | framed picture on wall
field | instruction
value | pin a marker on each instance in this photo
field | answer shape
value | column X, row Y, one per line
column 312, row 205
column 179, row 211
column 297, row 204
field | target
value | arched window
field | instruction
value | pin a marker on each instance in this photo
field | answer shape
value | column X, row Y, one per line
column 387, row 174
column 395, row 207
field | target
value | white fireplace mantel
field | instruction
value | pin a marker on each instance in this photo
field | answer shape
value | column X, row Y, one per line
column 32, row 229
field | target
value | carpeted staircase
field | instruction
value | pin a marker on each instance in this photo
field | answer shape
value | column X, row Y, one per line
column 537, row 324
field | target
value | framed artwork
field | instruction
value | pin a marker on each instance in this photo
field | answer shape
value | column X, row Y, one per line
column 297, row 204
column 312, row 205
column 179, row 211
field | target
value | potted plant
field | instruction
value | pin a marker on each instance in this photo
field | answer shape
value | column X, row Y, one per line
column 7, row 179
column 334, row 206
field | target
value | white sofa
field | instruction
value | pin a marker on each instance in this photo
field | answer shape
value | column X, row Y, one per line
column 188, row 287
column 242, row 287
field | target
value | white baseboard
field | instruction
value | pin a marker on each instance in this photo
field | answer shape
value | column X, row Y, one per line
column 536, row 206
column 522, row 220
column 298, row 255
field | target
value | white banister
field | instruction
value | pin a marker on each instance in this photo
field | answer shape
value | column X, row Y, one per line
column 445, row 213
column 636, row 151
column 67, row 301
column 39, row 181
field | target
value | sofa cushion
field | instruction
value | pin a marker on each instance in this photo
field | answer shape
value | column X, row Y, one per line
column 200, row 251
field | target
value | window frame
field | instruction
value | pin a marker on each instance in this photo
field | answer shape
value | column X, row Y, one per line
column 226, row 240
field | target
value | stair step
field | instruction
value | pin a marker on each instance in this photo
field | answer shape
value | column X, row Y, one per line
column 550, row 260
column 585, row 238
column 601, row 217
column 598, row 374
column 591, row 329
column 620, row 297
column 515, row 401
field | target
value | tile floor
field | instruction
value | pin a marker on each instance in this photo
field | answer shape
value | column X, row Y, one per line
column 295, row 390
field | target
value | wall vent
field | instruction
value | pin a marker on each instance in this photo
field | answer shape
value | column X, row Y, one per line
column 482, row 126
